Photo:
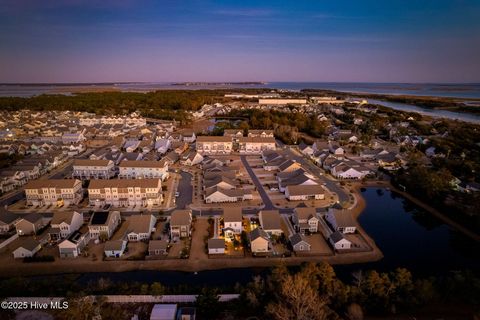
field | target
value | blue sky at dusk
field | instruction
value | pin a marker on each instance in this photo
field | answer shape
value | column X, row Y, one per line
column 126, row 40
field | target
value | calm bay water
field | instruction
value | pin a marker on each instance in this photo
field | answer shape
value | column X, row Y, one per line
column 408, row 237
column 469, row 90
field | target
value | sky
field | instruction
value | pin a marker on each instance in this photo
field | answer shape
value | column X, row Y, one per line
column 307, row 41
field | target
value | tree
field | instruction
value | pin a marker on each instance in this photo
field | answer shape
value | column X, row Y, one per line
column 207, row 303
column 157, row 289
column 296, row 298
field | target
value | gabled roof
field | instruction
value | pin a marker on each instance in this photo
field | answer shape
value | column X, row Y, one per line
column 297, row 238
column 233, row 214
column 8, row 217
column 59, row 217
column 181, row 217
column 29, row 244
column 32, row 217
column 337, row 236
column 52, row 183
column 216, row 243
column 270, row 219
column 114, row 245
column 305, row 213
column 139, row 223
column 258, row 233
column 305, row 190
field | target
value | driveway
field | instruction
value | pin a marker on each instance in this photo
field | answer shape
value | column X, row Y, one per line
column 266, row 200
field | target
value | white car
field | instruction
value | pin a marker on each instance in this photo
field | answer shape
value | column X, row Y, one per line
column 177, row 194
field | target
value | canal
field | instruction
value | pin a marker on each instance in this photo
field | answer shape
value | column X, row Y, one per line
column 408, row 237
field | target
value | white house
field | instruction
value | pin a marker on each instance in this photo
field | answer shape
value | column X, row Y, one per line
column 338, row 241
column 73, row 245
column 232, row 221
column 219, row 195
column 115, row 248
column 216, row 246
column 341, row 220
column 27, row 248
column 140, row 227
column 304, row 192
column 64, row 224
column 299, row 243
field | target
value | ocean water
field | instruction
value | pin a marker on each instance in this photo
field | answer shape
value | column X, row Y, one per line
column 467, row 90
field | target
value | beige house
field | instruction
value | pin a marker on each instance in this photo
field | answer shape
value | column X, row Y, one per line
column 57, row 192
column 255, row 145
column 259, row 241
column 30, row 224
column 143, row 169
column 93, row 169
column 214, row 145
column 304, row 192
column 220, row 195
column 125, row 192
column 181, row 223
column 103, row 224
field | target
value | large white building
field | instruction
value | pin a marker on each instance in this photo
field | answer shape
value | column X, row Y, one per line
column 281, row 101
column 53, row 192
column 125, row 192
column 214, row 145
column 143, row 169
column 93, row 169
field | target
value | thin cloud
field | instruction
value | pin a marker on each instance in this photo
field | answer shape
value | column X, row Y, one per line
column 244, row 12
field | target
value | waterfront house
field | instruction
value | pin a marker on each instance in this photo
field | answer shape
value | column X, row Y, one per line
column 27, row 248
column 115, row 248
column 216, row 246
column 339, row 242
column 74, row 244
column 259, row 241
column 157, row 248
column 341, row 220
column 299, row 243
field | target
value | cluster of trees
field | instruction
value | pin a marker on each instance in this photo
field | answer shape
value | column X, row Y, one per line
column 312, row 291
column 286, row 126
column 164, row 104
column 316, row 290
column 458, row 142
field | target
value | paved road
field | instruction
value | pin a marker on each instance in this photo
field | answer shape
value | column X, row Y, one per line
column 265, row 198
column 185, row 190
column 332, row 185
